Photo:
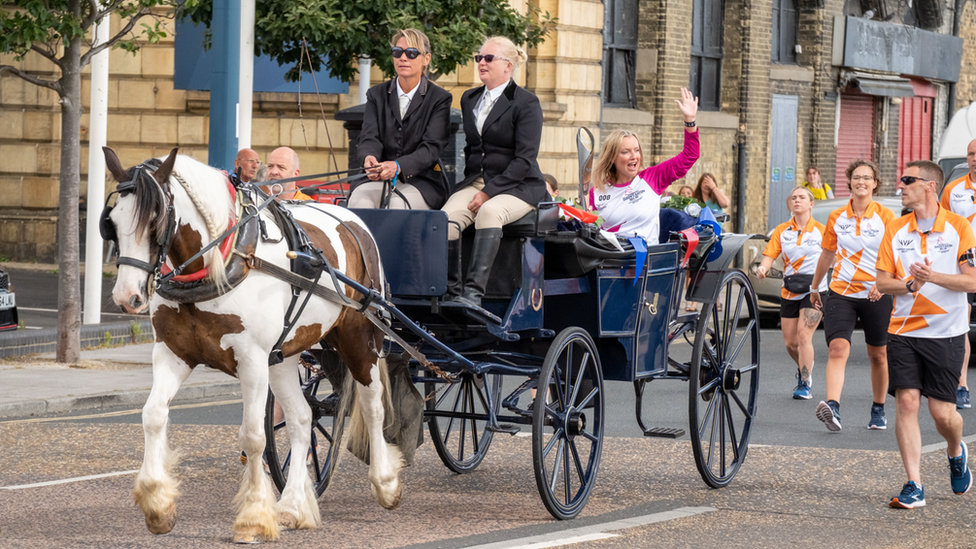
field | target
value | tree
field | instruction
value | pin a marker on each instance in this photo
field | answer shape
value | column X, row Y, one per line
column 338, row 31
column 56, row 30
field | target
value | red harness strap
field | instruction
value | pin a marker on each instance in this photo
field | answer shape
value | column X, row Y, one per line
column 225, row 247
column 691, row 237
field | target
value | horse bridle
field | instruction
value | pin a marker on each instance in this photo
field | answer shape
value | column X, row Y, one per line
column 106, row 227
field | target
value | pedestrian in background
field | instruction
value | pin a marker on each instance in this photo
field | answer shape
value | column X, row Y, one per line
column 708, row 193
column 854, row 234
column 820, row 190
column 799, row 241
column 959, row 197
column 926, row 261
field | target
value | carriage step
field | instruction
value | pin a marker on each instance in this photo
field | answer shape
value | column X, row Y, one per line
column 503, row 428
column 664, row 432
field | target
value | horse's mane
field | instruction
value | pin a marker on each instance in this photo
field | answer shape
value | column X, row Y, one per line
column 206, row 187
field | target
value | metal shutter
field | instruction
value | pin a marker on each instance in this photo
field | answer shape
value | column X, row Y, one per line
column 914, row 131
column 855, row 139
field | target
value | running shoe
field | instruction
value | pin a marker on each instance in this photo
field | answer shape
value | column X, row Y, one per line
column 912, row 495
column 802, row 391
column 829, row 413
column 962, row 399
column 959, row 473
column 878, row 421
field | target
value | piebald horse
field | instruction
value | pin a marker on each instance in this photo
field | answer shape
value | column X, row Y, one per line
column 236, row 330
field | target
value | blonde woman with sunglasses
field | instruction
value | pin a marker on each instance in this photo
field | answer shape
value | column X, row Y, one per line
column 406, row 127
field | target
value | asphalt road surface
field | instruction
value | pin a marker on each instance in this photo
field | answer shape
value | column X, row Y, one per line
column 800, row 485
column 37, row 298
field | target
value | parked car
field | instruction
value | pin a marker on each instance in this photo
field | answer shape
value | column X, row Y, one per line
column 768, row 289
column 8, row 303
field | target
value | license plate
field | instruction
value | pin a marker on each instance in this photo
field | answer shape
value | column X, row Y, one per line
column 7, row 301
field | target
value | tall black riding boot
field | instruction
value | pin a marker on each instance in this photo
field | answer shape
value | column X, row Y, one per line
column 453, row 269
column 483, row 254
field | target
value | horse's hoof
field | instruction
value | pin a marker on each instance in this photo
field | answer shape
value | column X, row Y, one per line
column 249, row 535
column 162, row 523
column 388, row 501
column 288, row 521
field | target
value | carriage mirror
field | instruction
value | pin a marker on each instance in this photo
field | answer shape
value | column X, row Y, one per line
column 584, row 149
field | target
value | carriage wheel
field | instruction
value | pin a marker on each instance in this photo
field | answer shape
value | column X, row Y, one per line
column 328, row 424
column 567, row 423
column 453, row 418
column 724, row 381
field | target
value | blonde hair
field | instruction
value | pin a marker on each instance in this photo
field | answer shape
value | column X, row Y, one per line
column 800, row 188
column 415, row 39
column 605, row 171
column 515, row 55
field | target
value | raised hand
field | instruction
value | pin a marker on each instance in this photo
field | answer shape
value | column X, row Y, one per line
column 688, row 105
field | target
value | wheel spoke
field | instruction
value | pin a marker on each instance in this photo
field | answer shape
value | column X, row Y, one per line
column 732, row 435
column 742, row 341
column 584, row 363
column 557, row 466
column 567, row 486
column 578, row 462
column 556, row 437
column 704, row 418
column 741, row 405
column 712, row 383
column 589, row 398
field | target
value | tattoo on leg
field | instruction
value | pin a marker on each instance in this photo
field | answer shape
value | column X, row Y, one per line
column 811, row 318
column 805, row 373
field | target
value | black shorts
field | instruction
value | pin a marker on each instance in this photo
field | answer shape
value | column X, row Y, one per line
column 841, row 314
column 790, row 308
column 931, row 365
column 971, row 299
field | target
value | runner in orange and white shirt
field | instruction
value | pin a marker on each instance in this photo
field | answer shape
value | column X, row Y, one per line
column 853, row 236
column 926, row 261
column 800, row 242
column 959, row 197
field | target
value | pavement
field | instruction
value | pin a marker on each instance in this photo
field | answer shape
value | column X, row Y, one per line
column 35, row 385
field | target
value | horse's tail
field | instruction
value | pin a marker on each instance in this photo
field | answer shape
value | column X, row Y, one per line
column 358, row 434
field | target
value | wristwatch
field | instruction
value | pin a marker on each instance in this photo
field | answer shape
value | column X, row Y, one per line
column 908, row 286
column 691, row 124
column 814, row 290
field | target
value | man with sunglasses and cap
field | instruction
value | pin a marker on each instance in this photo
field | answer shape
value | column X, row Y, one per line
column 406, row 127
column 926, row 261
column 959, row 197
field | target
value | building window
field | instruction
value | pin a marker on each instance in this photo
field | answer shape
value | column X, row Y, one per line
column 784, row 31
column 620, row 53
column 706, row 53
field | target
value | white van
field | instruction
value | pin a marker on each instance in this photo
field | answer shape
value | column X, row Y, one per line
column 961, row 130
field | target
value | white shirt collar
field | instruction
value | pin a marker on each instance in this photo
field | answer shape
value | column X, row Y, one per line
column 494, row 93
column 409, row 94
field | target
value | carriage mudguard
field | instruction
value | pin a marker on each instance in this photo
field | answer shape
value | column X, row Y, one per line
column 705, row 276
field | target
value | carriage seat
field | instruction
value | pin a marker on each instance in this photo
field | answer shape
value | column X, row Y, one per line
column 538, row 222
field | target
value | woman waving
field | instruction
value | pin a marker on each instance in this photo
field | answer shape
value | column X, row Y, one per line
column 799, row 241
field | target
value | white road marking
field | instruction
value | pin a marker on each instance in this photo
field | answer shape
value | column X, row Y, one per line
column 121, row 412
column 575, row 535
column 67, row 480
column 942, row 445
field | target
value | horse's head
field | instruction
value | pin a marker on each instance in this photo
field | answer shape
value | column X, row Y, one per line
column 139, row 224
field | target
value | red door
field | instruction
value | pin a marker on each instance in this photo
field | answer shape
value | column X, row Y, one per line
column 855, row 139
column 914, row 131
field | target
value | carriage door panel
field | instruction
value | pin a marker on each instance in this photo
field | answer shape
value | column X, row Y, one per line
column 650, row 346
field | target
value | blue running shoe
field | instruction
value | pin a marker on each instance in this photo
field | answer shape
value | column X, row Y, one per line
column 802, row 391
column 912, row 495
column 959, row 473
column 962, row 399
column 878, row 421
column 829, row 413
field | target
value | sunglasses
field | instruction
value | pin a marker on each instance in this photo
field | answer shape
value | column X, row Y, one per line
column 412, row 53
column 908, row 179
column 488, row 58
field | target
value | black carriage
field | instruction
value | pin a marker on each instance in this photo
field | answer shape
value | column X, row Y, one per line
column 563, row 313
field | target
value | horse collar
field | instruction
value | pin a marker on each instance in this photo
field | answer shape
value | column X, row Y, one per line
column 225, row 248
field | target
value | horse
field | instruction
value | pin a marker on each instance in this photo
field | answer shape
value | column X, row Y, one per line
column 169, row 209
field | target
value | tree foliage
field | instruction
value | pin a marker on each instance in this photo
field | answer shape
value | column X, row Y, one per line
column 58, row 31
column 338, row 31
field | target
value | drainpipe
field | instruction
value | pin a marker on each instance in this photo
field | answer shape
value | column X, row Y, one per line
column 740, row 185
column 951, row 106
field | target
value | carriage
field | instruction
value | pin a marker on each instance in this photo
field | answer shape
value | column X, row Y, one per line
column 245, row 291
column 564, row 312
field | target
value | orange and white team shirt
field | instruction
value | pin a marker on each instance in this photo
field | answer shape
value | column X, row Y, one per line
column 933, row 311
column 959, row 197
column 800, row 248
column 856, row 241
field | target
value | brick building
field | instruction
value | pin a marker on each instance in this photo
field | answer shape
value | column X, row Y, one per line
column 783, row 84
column 148, row 116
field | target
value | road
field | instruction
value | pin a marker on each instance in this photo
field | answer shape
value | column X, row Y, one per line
column 37, row 298
column 800, row 486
